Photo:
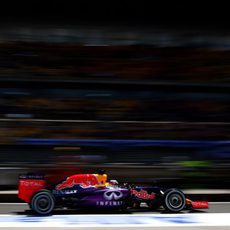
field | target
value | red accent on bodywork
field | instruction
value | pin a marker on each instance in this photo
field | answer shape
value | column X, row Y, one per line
column 143, row 194
column 199, row 204
column 27, row 188
column 84, row 180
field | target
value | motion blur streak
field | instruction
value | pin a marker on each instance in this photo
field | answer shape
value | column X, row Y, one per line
column 82, row 89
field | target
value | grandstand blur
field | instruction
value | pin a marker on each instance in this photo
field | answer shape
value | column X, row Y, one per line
column 143, row 102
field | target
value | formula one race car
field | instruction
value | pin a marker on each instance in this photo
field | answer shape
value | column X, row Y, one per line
column 93, row 191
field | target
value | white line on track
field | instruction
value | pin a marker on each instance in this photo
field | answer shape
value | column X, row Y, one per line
column 9, row 192
column 12, row 203
column 220, row 202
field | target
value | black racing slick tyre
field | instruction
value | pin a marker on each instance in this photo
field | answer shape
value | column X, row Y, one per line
column 174, row 200
column 43, row 202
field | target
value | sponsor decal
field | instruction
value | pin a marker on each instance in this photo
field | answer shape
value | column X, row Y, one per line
column 64, row 192
column 109, row 203
column 82, row 185
column 111, row 198
column 113, row 195
column 31, row 183
column 71, row 184
column 84, row 181
column 66, row 184
column 143, row 194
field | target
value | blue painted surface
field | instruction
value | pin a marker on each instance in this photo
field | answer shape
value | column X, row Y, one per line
column 113, row 143
column 101, row 219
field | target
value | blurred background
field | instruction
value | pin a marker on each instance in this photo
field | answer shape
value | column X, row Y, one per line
column 139, row 90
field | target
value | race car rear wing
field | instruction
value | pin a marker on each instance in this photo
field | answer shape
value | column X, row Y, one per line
column 28, row 184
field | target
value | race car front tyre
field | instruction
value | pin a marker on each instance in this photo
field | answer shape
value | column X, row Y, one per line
column 42, row 202
column 174, row 200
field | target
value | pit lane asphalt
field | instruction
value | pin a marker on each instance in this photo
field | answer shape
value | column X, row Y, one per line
column 23, row 209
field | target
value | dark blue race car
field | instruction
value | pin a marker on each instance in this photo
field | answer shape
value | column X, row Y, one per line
column 94, row 191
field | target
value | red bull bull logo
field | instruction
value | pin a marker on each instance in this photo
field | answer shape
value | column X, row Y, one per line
column 84, row 180
column 82, row 185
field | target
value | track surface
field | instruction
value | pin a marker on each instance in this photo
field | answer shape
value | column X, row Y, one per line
column 20, row 208
column 16, row 216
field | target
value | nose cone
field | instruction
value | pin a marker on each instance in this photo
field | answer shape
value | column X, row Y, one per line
column 200, row 204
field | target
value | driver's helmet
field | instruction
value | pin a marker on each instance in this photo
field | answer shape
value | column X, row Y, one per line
column 102, row 177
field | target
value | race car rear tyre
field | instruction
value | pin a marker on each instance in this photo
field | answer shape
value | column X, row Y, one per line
column 174, row 200
column 43, row 202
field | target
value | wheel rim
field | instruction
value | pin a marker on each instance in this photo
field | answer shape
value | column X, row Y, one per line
column 43, row 203
column 175, row 201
